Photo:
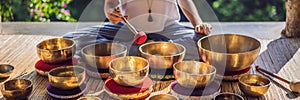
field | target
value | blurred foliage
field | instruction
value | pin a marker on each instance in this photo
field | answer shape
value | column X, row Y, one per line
column 70, row 10
column 249, row 10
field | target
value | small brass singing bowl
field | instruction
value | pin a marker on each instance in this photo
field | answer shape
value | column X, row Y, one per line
column 254, row 85
column 6, row 70
column 230, row 51
column 163, row 97
column 67, row 77
column 129, row 70
column 194, row 74
column 228, row 96
column 162, row 55
column 16, row 89
column 89, row 98
column 56, row 50
column 100, row 55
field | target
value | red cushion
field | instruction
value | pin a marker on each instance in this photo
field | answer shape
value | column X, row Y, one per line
column 47, row 67
column 114, row 87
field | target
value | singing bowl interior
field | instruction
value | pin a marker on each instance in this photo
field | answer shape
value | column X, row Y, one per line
column 56, row 50
column 254, row 85
column 99, row 55
column 234, row 51
column 162, row 54
column 67, row 77
column 163, row 97
column 6, row 70
column 193, row 74
column 129, row 71
column 16, row 89
column 228, row 96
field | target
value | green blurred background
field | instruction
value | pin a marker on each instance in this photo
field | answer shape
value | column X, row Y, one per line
column 71, row 10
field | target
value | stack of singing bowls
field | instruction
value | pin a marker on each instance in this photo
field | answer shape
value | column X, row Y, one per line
column 54, row 52
column 161, row 57
column 96, row 57
column 231, row 54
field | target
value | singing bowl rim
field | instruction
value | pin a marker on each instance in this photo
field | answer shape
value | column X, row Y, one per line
column 207, row 74
column 7, row 65
column 260, row 77
column 66, row 67
column 177, row 44
column 90, row 55
column 11, row 91
column 230, row 34
column 228, row 93
column 68, row 47
column 128, row 72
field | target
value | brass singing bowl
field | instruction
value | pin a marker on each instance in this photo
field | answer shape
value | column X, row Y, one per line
column 163, row 97
column 6, row 70
column 129, row 70
column 89, row 98
column 193, row 74
column 228, row 96
column 100, row 55
column 232, row 51
column 16, row 89
column 67, row 77
column 162, row 55
column 56, row 50
column 254, row 85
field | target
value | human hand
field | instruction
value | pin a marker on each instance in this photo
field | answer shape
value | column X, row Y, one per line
column 203, row 28
column 115, row 16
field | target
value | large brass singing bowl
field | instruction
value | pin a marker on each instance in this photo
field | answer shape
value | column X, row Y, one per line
column 193, row 74
column 99, row 55
column 6, row 70
column 232, row 51
column 17, row 89
column 67, row 77
column 56, row 50
column 162, row 55
column 129, row 70
column 254, row 85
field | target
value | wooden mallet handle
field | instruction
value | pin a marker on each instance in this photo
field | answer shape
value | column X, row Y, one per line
column 271, row 74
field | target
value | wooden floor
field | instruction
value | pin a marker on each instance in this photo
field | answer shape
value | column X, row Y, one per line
column 279, row 55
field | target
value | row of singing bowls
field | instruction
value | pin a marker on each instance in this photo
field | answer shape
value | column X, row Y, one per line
column 194, row 74
column 67, row 77
column 129, row 70
column 17, row 89
column 56, row 50
column 100, row 55
column 230, row 51
column 162, row 55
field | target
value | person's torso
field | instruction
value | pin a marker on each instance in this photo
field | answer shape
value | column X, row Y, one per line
column 163, row 13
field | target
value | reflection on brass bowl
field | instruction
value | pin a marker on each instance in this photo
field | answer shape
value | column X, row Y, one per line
column 129, row 70
column 89, row 98
column 163, row 97
column 16, row 89
column 67, row 77
column 230, row 51
column 99, row 55
column 193, row 74
column 254, row 85
column 6, row 70
column 228, row 96
column 56, row 50
column 162, row 55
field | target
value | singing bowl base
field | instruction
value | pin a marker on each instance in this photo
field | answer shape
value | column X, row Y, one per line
column 210, row 89
column 97, row 73
column 65, row 94
column 124, row 92
column 233, row 76
column 161, row 74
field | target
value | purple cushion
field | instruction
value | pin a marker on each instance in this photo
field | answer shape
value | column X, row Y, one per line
column 53, row 90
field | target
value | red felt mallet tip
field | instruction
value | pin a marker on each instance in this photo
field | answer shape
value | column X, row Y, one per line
column 140, row 37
